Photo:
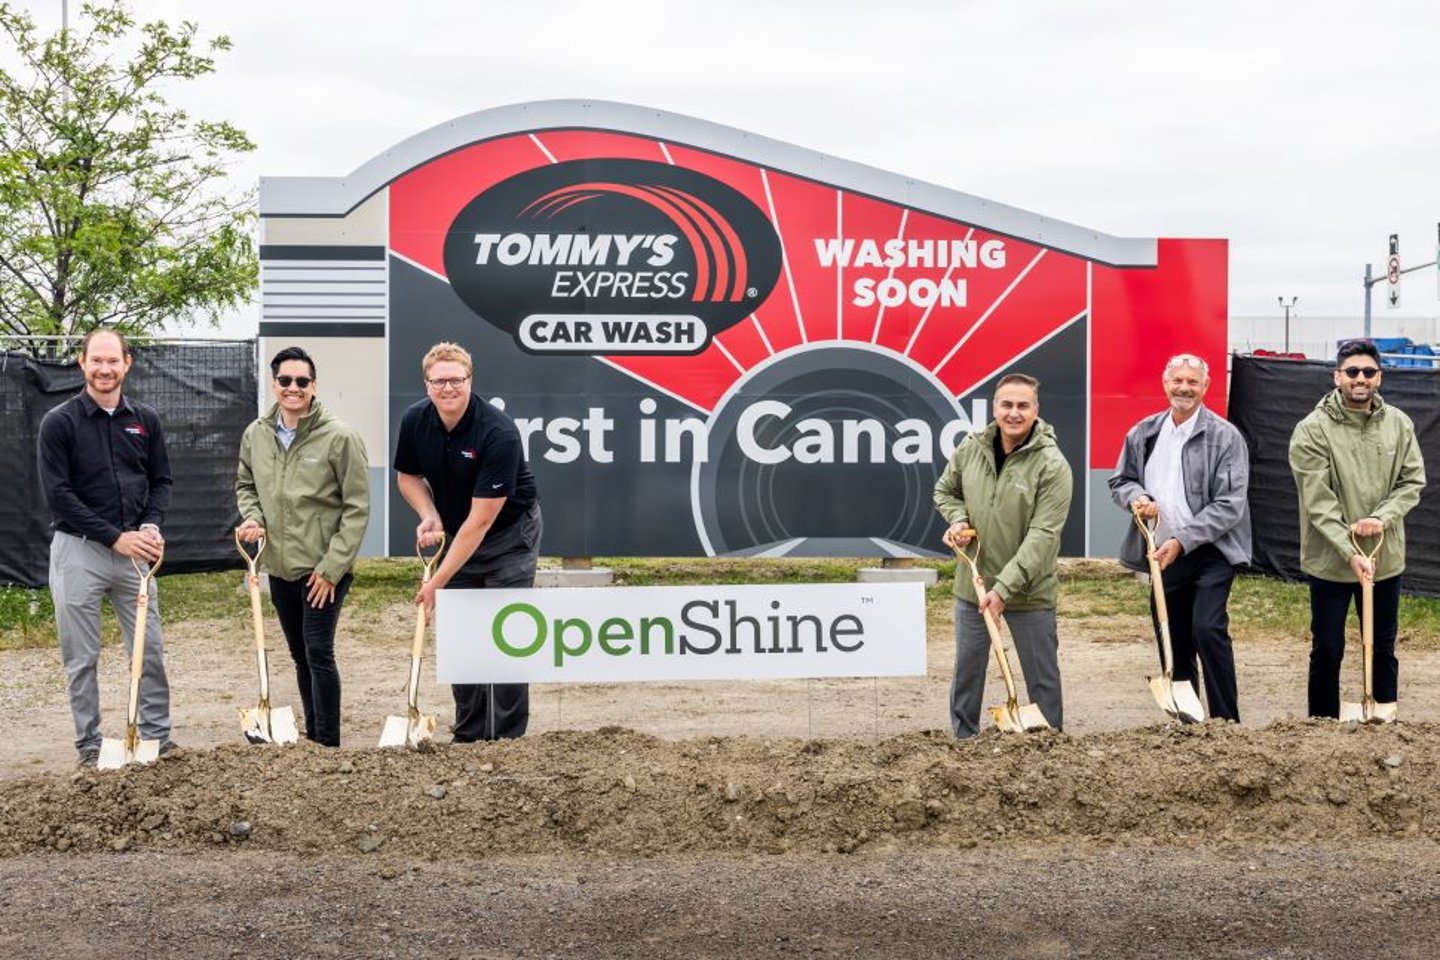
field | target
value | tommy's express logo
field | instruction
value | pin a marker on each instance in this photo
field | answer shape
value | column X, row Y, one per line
column 707, row 627
column 612, row 256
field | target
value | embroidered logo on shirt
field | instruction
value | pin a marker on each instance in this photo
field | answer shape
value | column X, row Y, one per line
column 468, row 454
column 496, row 486
column 135, row 429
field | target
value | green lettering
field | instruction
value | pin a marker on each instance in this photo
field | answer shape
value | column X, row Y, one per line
column 612, row 630
column 562, row 650
column 502, row 643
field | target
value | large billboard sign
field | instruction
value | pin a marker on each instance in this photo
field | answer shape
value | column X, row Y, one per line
column 718, row 344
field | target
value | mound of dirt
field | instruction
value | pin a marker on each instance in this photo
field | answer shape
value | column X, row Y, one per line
column 619, row 793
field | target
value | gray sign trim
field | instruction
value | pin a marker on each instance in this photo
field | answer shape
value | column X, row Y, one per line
column 338, row 196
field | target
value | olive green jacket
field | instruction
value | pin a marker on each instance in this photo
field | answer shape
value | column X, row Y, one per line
column 1018, row 513
column 313, row 500
column 1349, row 465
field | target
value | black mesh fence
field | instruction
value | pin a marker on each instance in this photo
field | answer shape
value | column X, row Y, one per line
column 205, row 393
column 1268, row 398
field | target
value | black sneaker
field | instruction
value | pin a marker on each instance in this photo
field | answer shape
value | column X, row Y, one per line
column 89, row 757
column 168, row 746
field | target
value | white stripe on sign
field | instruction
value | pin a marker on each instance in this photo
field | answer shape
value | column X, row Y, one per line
column 603, row 634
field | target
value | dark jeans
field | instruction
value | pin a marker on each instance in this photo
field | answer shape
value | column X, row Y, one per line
column 1329, row 607
column 494, row 711
column 1197, row 589
column 310, row 633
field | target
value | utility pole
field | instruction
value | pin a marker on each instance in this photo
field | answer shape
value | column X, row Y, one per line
column 1286, row 307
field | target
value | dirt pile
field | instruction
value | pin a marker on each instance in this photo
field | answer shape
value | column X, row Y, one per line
column 619, row 793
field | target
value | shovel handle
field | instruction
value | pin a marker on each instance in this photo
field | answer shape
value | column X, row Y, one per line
column 137, row 643
column 972, row 560
column 1157, row 588
column 428, row 562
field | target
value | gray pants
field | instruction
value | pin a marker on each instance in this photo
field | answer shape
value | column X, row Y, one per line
column 81, row 572
column 1036, row 644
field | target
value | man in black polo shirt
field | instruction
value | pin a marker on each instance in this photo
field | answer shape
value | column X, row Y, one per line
column 106, row 479
column 461, row 466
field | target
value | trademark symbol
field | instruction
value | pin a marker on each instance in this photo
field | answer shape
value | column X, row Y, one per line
column 867, row 600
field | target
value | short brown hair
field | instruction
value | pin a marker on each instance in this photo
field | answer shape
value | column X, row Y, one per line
column 1021, row 378
column 447, row 351
column 101, row 331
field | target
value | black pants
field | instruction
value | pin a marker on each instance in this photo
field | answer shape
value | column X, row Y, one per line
column 1329, row 607
column 492, row 711
column 1197, row 590
column 310, row 633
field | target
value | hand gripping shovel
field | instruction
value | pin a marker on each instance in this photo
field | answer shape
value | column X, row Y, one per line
column 1179, row 700
column 1367, row 710
column 1011, row 717
column 264, row 724
column 115, row 754
column 410, row 730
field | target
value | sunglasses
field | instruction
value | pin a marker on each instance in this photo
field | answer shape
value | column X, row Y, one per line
column 285, row 380
column 1369, row 373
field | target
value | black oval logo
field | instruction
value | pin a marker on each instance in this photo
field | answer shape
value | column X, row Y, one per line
column 612, row 256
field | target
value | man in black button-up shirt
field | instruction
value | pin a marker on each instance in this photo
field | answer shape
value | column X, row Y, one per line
column 106, row 479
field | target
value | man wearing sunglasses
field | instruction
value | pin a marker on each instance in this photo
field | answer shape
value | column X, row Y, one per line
column 1358, row 471
column 460, row 464
column 1189, row 470
column 304, row 485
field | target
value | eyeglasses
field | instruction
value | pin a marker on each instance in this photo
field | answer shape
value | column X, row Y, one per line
column 447, row 383
column 285, row 380
column 1369, row 373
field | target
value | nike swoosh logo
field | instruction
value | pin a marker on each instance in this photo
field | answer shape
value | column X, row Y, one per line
column 496, row 486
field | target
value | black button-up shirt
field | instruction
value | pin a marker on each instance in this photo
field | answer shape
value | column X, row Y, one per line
column 482, row 458
column 103, row 474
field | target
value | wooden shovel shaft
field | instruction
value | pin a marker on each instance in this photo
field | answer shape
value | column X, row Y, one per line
column 417, row 648
column 259, row 623
column 1162, row 613
column 137, row 660
column 1367, row 640
column 1011, row 697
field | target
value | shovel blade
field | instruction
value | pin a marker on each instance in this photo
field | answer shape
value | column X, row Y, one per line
column 1031, row 717
column 114, row 754
column 1177, row 698
column 1006, row 719
column 1376, row 712
column 1019, row 719
column 400, row 732
column 269, row 725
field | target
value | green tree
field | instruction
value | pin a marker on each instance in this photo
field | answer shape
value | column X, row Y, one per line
column 113, row 203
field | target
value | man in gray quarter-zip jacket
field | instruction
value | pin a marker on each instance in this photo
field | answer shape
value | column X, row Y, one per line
column 1189, row 470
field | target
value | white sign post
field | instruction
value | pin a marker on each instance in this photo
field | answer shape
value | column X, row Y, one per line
column 591, row 635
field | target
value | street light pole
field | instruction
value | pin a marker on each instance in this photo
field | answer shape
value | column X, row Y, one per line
column 1286, row 307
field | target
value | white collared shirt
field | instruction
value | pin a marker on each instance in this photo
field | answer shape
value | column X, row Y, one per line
column 286, row 434
column 1164, row 477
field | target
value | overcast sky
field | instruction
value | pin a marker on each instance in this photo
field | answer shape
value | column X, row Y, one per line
column 1304, row 132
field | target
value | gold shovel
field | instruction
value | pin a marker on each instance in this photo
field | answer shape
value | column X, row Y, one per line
column 1011, row 717
column 1367, row 710
column 1178, row 700
column 264, row 724
column 115, row 754
column 411, row 729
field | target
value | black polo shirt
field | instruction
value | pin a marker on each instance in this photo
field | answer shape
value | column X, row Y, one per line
column 482, row 458
column 103, row 474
